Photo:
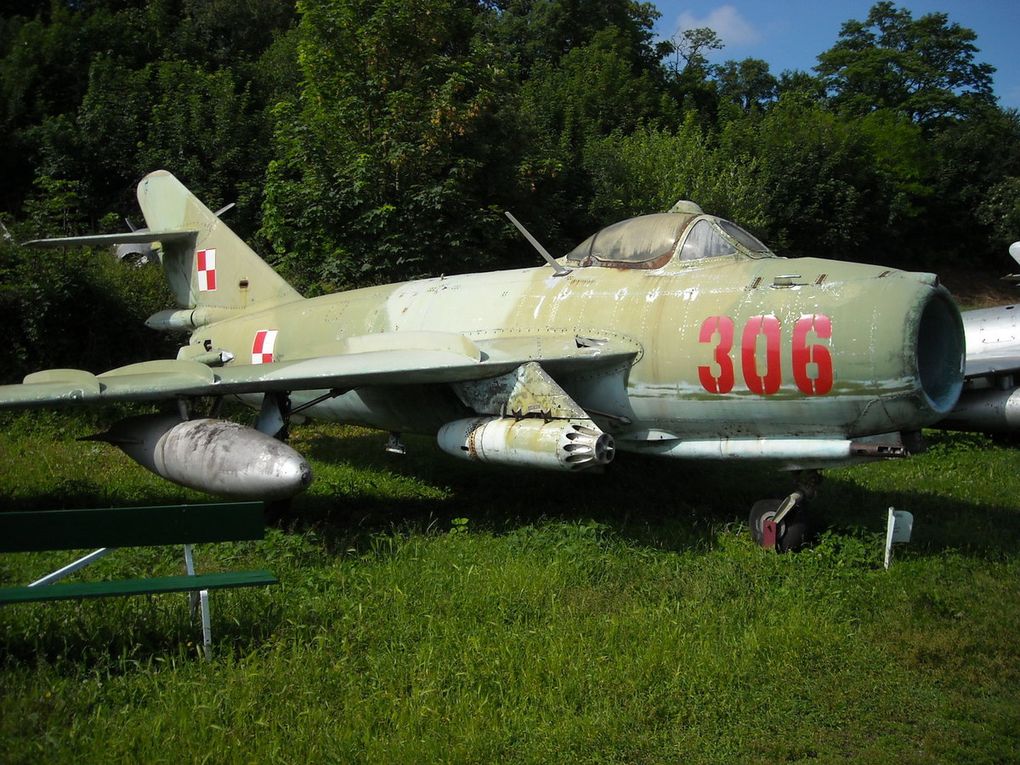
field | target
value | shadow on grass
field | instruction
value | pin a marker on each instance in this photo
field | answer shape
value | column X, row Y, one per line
column 115, row 636
column 657, row 503
column 660, row 503
column 668, row 505
column 664, row 504
column 941, row 524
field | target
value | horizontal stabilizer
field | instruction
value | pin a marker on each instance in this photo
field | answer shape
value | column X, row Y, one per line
column 108, row 240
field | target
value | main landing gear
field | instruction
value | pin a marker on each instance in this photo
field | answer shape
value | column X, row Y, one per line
column 783, row 524
column 274, row 420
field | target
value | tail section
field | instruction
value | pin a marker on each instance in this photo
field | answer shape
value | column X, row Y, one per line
column 207, row 265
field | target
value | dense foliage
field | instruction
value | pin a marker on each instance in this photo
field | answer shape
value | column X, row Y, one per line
column 372, row 141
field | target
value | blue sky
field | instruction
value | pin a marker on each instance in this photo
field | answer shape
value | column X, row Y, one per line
column 790, row 34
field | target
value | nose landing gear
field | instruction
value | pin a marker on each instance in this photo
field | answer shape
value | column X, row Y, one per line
column 783, row 524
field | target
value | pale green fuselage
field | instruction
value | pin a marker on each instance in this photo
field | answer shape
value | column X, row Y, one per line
column 877, row 336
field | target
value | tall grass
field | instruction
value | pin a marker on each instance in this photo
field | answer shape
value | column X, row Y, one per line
column 435, row 611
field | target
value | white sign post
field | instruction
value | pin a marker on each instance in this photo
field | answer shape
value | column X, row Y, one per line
column 898, row 527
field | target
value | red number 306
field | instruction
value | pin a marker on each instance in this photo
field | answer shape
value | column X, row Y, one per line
column 764, row 376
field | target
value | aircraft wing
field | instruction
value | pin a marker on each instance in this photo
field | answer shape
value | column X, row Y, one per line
column 993, row 347
column 384, row 359
column 990, row 400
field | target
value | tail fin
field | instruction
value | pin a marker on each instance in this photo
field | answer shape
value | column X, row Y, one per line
column 210, row 266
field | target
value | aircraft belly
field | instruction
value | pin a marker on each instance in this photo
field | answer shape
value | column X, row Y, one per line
column 748, row 417
column 407, row 409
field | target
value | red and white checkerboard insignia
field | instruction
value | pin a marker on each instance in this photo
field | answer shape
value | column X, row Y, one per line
column 262, row 347
column 205, row 262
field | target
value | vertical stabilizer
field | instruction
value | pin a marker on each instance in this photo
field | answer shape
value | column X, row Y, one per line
column 213, row 268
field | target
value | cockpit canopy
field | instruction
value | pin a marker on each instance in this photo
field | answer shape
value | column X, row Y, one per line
column 651, row 241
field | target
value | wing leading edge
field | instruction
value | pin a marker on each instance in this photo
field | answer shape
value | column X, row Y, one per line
column 103, row 240
column 378, row 362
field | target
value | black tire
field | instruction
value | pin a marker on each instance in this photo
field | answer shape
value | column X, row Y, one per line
column 793, row 532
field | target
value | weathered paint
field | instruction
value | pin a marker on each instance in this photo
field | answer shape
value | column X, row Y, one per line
column 739, row 347
column 875, row 320
column 567, row 445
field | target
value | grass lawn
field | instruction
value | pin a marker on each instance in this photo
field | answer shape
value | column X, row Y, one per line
column 431, row 610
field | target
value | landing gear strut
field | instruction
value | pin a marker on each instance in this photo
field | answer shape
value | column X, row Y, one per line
column 274, row 417
column 782, row 524
column 274, row 420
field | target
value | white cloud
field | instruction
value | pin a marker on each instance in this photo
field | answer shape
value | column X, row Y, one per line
column 733, row 29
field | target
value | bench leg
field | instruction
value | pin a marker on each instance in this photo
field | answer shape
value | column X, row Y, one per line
column 70, row 568
column 203, row 597
column 199, row 599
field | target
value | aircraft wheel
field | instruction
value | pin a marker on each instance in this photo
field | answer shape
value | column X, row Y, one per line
column 793, row 532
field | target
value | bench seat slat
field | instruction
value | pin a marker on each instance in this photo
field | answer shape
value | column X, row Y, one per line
column 36, row 531
column 136, row 586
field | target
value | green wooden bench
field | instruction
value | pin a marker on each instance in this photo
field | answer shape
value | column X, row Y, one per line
column 110, row 528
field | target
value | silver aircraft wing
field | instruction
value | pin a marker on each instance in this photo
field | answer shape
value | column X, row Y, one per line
column 993, row 340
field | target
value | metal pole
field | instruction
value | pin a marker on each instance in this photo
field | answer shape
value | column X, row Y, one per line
column 201, row 598
column 70, row 568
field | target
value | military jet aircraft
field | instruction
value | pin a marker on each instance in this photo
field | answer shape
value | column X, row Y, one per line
column 990, row 400
column 676, row 334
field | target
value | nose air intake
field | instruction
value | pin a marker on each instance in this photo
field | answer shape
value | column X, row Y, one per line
column 940, row 352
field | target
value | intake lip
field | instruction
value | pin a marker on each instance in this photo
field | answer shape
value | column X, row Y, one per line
column 941, row 351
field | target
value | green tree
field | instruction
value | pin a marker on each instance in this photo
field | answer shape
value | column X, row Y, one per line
column 800, row 84
column 223, row 34
column 44, row 66
column 529, row 32
column 689, row 79
column 380, row 168
column 827, row 191
column 973, row 162
column 595, row 90
column 74, row 308
column 102, row 92
column 1000, row 211
column 650, row 169
column 924, row 68
column 747, row 83
column 203, row 127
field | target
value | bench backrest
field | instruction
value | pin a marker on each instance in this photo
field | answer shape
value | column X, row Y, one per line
column 131, row 526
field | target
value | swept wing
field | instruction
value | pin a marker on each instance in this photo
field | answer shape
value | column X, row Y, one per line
column 411, row 358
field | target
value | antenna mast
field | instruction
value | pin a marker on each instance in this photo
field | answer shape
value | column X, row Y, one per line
column 560, row 270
